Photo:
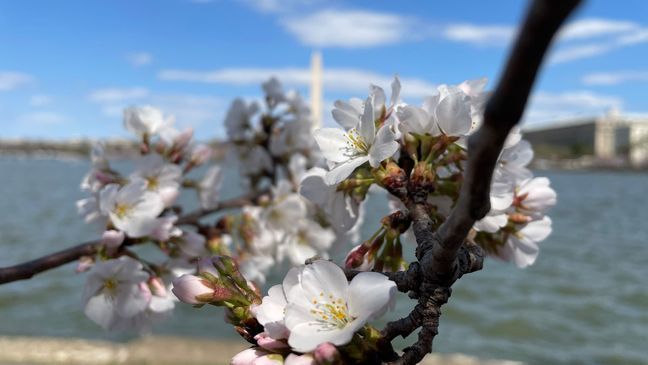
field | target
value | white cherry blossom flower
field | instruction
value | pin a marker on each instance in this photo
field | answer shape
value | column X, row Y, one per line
column 192, row 244
column 323, row 307
column 145, row 120
column 131, row 208
column 341, row 209
column 286, row 210
column 160, row 176
column 347, row 114
column 501, row 198
column 274, row 90
column 112, row 291
column 255, row 267
column 345, row 151
column 534, row 196
column 522, row 245
column 309, row 240
column 237, row 121
column 164, row 228
column 271, row 313
column 512, row 163
column 89, row 209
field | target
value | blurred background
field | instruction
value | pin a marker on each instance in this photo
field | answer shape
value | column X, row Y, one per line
column 68, row 68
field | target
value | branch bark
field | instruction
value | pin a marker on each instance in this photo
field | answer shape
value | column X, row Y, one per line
column 444, row 255
column 28, row 269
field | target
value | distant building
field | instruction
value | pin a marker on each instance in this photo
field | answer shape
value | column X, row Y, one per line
column 609, row 139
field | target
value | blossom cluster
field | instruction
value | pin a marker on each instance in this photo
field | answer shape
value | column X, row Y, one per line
column 143, row 207
column 304, row 191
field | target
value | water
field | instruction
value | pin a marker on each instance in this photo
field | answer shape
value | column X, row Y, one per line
column 584, row 302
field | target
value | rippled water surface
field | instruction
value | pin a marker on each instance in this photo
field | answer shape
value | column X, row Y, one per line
column 584, row 302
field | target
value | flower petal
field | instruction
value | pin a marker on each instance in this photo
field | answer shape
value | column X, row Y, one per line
column 370, row 294
column 342, row 170
column 332, row 142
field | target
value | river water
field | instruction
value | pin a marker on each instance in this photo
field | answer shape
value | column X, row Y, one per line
column 585, row 301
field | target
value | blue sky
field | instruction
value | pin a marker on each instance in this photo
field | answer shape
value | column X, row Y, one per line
column 68, row 67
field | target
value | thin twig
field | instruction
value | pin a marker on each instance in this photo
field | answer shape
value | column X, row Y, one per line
column 29, row 269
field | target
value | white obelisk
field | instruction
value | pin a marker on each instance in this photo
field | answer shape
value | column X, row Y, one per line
column 316, row 89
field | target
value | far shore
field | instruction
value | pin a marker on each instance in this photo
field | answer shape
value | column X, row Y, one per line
column 80, row 148
column 154, row 350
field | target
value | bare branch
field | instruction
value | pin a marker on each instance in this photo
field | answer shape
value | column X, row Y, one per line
column 503, row 111
column 29, row 269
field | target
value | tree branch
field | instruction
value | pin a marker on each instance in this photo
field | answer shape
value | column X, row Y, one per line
column 29, row 269
column 444, row 255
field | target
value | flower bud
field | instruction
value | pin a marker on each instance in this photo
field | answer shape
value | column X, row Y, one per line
column 392, row 177
column 85, row 263
column 422, row 178
column 356, row 256
column 519, row 218
column 112, row 239
column 193, row 289
column 327, row 354
column 305, row 359
column 248, row 356
column 157, row 286
column 269, row 343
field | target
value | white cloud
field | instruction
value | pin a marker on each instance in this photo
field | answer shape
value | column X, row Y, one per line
column 139, row 59
column 594, row 27
column 545, row 106
column 614, row 78
column 579, row 52
column 334, row 79
column 279, row 6
column 483, row 35
column 350, row 28
column 10, row 80
column 40, row 100
column 118, row 94
column 42, row 118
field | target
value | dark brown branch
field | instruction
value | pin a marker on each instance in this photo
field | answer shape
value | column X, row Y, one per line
column 503, row 111
column 444, row 255
column 29, row 269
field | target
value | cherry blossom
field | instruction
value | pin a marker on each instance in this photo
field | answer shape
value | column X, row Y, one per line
column 112, row 291
column 131, row 208
column 323, row 307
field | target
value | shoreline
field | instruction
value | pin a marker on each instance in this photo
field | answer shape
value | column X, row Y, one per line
column 156, row 350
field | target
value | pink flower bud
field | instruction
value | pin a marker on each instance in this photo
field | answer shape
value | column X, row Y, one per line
column 269, row 343
column 306, row 359
column 193, row 289
column 112, row 239
column 356, row 256
column 248, row 356
column 85, row 264
column 157, row 286
column 327, row 354
column 145, row 290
